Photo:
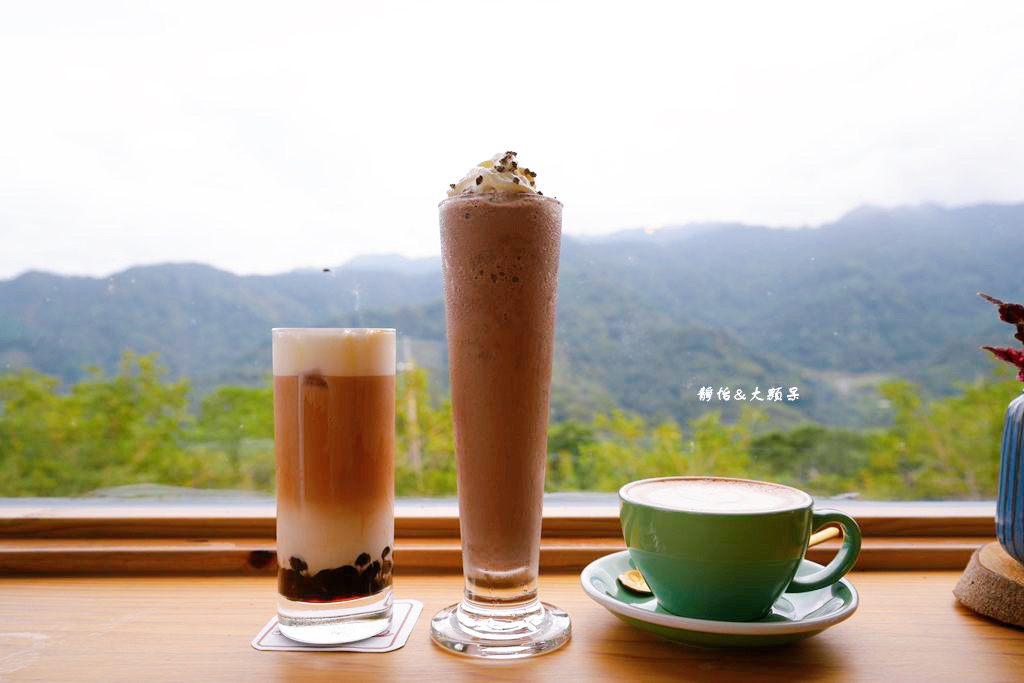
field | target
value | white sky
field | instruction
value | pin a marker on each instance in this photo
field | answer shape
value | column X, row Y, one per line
column 263, row 137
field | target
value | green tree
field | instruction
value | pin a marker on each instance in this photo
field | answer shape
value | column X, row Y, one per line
column 568, row 468
column 947, row 448
column 823, row 460
column 232, row 418
column 125, row 429
column 424, row 440
column 32, row 433
column 617, row 447
column 136, row 427
column 719, row 448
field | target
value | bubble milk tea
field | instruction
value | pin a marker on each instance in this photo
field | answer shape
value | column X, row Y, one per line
column 334, row 422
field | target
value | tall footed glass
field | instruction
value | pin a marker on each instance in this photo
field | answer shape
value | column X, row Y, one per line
column 500, row 266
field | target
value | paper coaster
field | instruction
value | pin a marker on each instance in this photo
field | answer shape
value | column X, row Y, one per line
column 403, row 618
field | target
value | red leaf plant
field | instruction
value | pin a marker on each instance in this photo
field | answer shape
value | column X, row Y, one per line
column 1013, row 314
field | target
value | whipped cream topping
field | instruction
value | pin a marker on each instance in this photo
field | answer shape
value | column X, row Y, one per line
column 500, row 173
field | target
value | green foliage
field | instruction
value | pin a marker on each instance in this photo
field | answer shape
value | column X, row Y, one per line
column 136, row 427
column 106, row 432
column 31, row 429
column 424, row 443
column 940, row 449
column 826, row 461
column 617, row 448
column 237, row 421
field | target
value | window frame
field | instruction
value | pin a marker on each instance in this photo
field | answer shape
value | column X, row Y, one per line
column 203, row 538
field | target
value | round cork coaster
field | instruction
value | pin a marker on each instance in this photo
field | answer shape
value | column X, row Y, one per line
column 993, row 585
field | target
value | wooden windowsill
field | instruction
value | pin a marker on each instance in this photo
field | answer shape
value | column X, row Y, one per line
column 436, row 520
column 203, row 538
column 908, row 627
column 257, row 556
column 112, row 593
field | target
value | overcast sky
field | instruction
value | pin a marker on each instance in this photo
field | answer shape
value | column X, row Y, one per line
column 264, row 137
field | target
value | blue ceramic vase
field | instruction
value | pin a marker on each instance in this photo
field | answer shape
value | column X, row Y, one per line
column 1010, row 506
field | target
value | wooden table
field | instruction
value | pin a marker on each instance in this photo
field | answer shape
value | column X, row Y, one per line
column 908, row 627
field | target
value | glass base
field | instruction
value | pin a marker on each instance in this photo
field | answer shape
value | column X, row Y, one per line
column 331, row 623
column 478, row 631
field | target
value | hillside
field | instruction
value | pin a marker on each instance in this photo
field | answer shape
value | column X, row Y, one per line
column 644, row 320
column 205, row 323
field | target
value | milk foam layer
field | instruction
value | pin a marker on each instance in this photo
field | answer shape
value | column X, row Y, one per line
column 716, row 495
column 334, row 351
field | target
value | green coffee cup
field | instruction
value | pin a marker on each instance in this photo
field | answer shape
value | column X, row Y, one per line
column 726, row 549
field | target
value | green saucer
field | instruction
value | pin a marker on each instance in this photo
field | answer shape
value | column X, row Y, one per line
column 794, row 616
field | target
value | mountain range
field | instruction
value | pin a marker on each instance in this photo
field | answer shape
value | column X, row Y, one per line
column 645, row 318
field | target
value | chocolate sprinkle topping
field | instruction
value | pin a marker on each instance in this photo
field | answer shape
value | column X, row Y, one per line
column 506, row 164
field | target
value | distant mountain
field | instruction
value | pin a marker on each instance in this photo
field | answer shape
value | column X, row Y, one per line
column 879, row 293
column 642, row 323
column 395, row 263
column 206, row 323
column 667, row 233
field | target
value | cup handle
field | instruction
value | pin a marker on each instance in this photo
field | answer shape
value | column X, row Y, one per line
column 843, row 560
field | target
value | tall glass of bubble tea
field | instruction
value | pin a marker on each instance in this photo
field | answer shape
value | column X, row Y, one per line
column 500, row 244
column 334, row 436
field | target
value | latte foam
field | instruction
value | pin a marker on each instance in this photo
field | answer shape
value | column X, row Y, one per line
column 714, row 495
column 339, row 352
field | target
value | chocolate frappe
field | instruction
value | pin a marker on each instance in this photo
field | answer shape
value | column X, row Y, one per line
column 500, row 244
column 500, row 260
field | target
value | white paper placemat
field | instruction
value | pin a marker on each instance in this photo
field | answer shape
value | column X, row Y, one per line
column 403, row 618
